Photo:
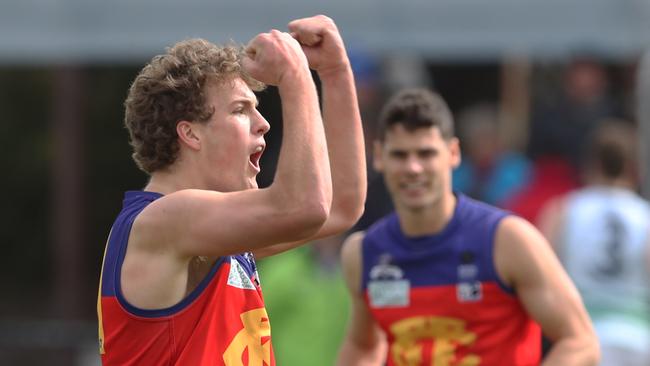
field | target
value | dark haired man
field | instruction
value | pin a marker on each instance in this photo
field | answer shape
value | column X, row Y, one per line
column 446, row 280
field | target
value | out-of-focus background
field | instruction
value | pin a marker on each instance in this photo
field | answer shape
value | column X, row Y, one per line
column 527, row 81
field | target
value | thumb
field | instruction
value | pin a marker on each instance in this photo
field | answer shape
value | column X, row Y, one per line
column 249, row 65
column 251, row 48
column 250, row 56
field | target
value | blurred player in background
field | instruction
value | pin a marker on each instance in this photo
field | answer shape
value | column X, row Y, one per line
column 601, row 234
column 446, row 280
column 179, row 283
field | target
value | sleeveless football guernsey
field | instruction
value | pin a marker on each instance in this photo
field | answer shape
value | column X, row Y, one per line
column 439, row 299
column 221, row 322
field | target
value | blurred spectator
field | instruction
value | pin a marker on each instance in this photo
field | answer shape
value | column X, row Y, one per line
column 405, row 70
column 368, row 80
column 558, row 132
column 488, row 171
column 601, row 234
column 551, row 176
column 561, row 123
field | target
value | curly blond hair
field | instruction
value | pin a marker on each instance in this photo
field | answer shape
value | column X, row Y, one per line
column 172, row 88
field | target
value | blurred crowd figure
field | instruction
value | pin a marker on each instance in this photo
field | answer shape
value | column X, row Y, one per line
column 562, row 121
column 601, row 234
column 489, row 171
column 559, row 125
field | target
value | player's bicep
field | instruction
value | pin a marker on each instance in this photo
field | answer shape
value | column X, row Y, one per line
column 364, row 343
column 332, row 227
column 363, row 330
column 527, row 262
column 208, row 223
column 352, row 262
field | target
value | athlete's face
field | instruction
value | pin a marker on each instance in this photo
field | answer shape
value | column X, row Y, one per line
column 416, row 165
column 233, row 137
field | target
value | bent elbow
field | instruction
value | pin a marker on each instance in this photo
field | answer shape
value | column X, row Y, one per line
column 345, row 220
column 313, row 216
column 355, row 214
column 353, row 204
column 347, row 213
column 304, row 218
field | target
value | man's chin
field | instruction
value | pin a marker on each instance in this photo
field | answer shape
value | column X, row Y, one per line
column 414, row 205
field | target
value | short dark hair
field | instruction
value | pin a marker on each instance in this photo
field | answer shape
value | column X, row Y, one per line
column 611, row 148
column 416, row 108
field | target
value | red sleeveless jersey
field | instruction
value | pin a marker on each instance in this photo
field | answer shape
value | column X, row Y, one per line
column 221, row 322
column 439, row 299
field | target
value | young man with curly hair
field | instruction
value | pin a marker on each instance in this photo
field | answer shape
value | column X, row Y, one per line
column 179, row 284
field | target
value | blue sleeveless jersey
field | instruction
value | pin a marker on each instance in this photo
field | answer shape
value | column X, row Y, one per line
column 439, row 298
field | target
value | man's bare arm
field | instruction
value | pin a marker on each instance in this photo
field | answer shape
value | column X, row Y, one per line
column 364, row 343
column 324, row 48
column 525, row 261
column 207, row 223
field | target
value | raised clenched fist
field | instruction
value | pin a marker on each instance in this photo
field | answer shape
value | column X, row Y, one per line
column 321, row 43
column 271, row 57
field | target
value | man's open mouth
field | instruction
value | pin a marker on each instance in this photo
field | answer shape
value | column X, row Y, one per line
column 255, row 157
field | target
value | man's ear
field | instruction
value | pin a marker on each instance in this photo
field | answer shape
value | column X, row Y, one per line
column 454, row 150
column 377, row 159
column 189, row 134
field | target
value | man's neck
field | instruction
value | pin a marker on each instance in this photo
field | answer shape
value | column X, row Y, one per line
column 170, row 180
column 428, row 220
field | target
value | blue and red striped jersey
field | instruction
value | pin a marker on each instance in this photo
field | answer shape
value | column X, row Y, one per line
column 223, row 321
column 439, row 298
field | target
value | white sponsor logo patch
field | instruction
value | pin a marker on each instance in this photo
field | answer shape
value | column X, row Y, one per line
column 394, row 293
column 469, row 291
column 238, row 277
